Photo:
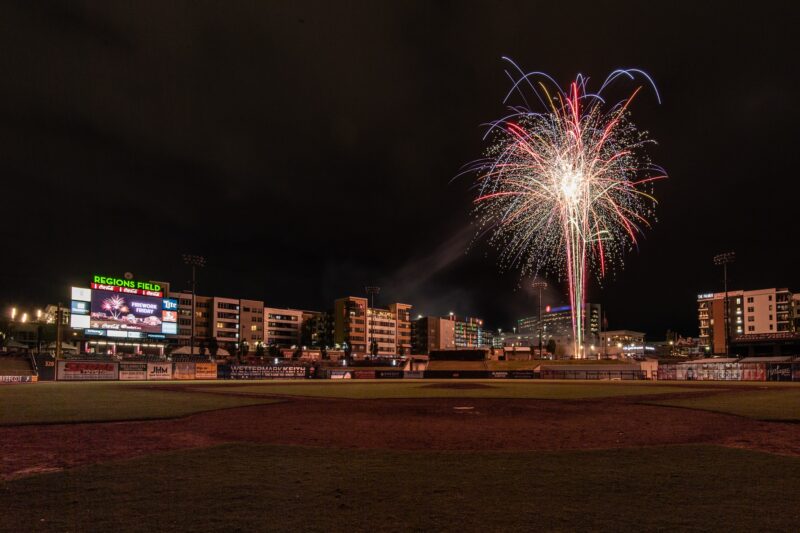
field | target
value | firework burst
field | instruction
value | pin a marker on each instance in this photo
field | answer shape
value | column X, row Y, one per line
column 567, row 189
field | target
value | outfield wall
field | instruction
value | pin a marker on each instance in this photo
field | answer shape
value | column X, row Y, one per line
column 730, row 371
column 706, row 370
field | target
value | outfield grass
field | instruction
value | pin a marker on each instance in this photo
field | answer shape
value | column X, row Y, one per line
column 378, row 389
column 102, row 401
column 256, row 487
column 775, row 403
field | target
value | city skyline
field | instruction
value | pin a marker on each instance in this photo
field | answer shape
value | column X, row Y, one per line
column 303, row 188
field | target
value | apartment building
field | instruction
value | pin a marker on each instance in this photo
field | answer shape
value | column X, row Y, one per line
column 227, row 320
column 360, row 326
column 749, row 313
column 251, row 323
column 283, row 327
column 449, row 333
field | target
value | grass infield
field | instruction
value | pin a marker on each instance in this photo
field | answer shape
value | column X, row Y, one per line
column 773, row 403
column 458, row 388
column 256, row 487
column 105, row 401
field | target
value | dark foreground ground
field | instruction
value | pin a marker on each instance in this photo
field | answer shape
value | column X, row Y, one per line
column 457, row 463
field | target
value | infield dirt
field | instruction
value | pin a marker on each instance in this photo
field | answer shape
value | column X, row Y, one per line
column 461, row 424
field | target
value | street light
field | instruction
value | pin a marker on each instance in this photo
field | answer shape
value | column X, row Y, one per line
column 193, row 261
column 540, row 286
column 723, row 260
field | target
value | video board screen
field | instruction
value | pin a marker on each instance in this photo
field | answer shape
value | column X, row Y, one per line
column 109, row 313
column 126, row 312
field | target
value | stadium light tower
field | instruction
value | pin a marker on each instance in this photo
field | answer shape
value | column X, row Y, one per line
column 724, row 259
column 540, row 286
column 193, row 261
column 371, row 291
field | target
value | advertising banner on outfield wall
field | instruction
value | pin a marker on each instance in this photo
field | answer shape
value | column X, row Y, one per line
column 340, row 374
column 513, row 374
column 132, row 371
column 183, row 371
column 205, row 371
column 17, row 379
column 87, row 370
column 796, row 372
column 261, row 372
column 779, row 372
column 416, row 374
column 159, row 371
column 389, row 374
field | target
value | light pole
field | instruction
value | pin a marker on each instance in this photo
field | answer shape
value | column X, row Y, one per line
column 372, row 291
column 540, row 286
column 193, row 261
column 724, row 259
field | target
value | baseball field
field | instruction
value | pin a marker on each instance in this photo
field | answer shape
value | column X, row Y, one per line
column 396, row 455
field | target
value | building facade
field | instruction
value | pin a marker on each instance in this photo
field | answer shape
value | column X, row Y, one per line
column 749, row 313
column 283, row 327
column 449, row 333
column 365, row 330
column 556, row 324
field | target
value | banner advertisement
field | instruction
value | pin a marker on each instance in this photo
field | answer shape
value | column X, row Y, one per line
column 513, row 374
column 779, row 372
column 264, row 372
column 341, row 374
column 183, row 371
column 754, row 371
column 87, row 370
column 457, row 374
column 205, row 371
column 17, row 379
column 416, row 374
column 159, row 371
column 389, row 374
column 132, row 371
column 796, row 372
column 363, row 374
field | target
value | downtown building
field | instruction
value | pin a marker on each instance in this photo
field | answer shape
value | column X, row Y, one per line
column 556, row 324
column 363, row 329
column 759, row 322
column 236, row 323
column 449, row 333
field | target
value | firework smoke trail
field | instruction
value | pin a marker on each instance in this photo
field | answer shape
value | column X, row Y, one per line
column 568, row 188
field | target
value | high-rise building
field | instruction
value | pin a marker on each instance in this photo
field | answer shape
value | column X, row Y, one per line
column 556, row 324
column 360, row 326
column 749, row 313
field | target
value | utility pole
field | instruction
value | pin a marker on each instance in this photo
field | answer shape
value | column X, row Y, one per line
column 540, row 285
column 193, row 261
column 59, row 320
column 372, row 291
column 724, row 259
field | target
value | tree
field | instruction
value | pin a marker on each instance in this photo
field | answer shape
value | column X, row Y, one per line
column 260, row 351
column 274, row 351
column 213, row 347
column 373, row 348
column 551, row 346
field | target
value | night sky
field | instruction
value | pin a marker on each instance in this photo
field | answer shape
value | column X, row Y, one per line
column 309, row 149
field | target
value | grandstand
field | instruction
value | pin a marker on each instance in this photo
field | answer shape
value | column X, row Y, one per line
column 16, row 365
